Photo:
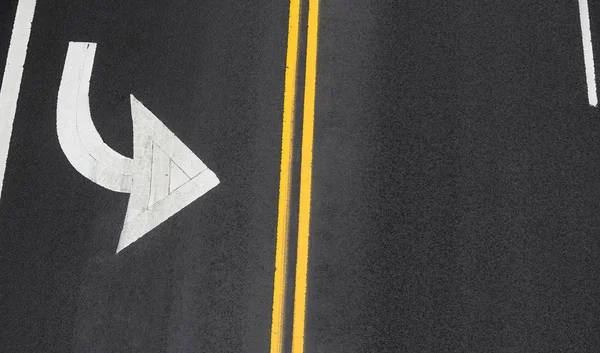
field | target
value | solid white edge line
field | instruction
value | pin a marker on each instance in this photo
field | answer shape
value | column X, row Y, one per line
column 13, row 72
column 588, row 52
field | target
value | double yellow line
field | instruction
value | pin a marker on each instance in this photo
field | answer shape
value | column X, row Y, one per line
column 285, row 181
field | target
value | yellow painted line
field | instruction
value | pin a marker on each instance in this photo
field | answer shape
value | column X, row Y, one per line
column 287, row 138
column 305, row 178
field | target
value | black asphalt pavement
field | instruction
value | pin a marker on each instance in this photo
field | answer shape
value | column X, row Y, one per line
column 456, row 191
column 456, row 180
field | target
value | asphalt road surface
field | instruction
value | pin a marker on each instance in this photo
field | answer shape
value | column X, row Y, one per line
column 455, row 186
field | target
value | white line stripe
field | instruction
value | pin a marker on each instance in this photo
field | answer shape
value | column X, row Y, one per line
column 11, row 83
column 588, row 53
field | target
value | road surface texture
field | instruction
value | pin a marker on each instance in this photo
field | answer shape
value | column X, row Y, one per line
column 455, row 188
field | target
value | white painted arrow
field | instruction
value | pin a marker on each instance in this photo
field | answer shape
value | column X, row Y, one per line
column 164, row 175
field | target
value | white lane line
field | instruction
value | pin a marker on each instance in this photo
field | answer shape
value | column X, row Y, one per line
column 11, row 82
column 588, row 53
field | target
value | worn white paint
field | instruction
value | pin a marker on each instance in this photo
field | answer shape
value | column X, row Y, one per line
column 164, row 175
column 11, row 81
column 588, row 52
column 160, row 175
column 176, row 177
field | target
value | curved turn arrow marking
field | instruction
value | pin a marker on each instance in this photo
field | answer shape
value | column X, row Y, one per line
column 164, row 175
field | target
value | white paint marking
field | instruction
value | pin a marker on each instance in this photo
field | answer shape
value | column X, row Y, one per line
column 160, row 175
column 159, row 157
column 167, row 141
column 588, row 53
column 177, row 176
column 77, row 134
column 13, row 72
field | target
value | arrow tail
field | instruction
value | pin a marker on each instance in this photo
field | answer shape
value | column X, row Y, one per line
column 78, row 137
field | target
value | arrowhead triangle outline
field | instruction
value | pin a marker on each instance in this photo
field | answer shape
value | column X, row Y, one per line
column 176, row 177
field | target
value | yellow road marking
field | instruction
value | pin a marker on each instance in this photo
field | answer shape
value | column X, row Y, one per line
column 305, row 178
column 287, row 137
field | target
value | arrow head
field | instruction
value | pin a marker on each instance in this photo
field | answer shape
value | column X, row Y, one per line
column 167, row 175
